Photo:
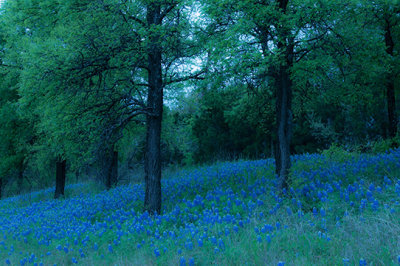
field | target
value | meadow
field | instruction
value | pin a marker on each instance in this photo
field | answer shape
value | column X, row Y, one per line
column 342, row 209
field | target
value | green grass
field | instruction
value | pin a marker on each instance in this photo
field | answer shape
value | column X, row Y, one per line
column 344, row 233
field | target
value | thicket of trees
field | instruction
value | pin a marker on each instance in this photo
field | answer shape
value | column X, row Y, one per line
column 87, row 86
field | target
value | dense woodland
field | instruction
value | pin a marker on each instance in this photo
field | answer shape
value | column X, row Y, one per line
column 101, row 89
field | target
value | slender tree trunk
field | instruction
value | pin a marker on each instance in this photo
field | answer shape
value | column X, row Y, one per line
column 20, row 179
column 390, row 94
column 284, row 104
column 60, row 177
column 391, row 104
column 152, row 201
column 284, row 124
column 112, row 172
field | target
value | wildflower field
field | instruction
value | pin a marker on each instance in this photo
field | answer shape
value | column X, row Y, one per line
column 338, row 211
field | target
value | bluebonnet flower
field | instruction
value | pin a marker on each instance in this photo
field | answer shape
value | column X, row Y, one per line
column 32, row 258
column 191, row 261
column 221, row 244
column 235, row 228
column 278, row 225
column 371, row 187
column 213, row 240
column 23, row 261
column 182, row 261
column 189, row 245
column 315, row 211
column 363, row 262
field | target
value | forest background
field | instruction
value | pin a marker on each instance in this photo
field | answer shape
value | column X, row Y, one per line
column 117, row 91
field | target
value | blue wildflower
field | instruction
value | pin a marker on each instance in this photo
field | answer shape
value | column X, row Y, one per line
column 322, row 211
column 363, row 262
column 191, row 261
column 182, row 261
column 278, row 225
column 156, row 252
column 221, row 244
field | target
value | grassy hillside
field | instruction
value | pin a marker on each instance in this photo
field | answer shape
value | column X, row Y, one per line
column 341, row 209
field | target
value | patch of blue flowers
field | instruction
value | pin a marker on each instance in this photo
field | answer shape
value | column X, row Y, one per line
column 201, row 208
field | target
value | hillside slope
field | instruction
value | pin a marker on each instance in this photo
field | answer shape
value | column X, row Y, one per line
column 338, row 211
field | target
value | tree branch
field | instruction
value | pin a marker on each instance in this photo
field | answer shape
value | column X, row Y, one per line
column 197, row 76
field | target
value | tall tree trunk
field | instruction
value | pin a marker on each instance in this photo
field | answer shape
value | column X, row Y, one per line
column 108, row 166
column 112, row 172
column 391, row 104
column 60, row 177
column 77, row 172
column 20, row 178
column 152, row 201
column 283, row 103
column 390, row 94
column 284, row 124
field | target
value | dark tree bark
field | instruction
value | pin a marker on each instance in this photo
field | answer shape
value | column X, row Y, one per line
column 20, row 177
column 77, row 173
column 390, row 93
column 284, row 124
column 152, row 201
column 60, row 177
column 283, row 103
column 112, row 173
column 20, row 180
column 108, row 166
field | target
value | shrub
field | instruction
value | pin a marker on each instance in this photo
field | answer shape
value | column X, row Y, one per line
column 383, row 146
column 339, row 154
